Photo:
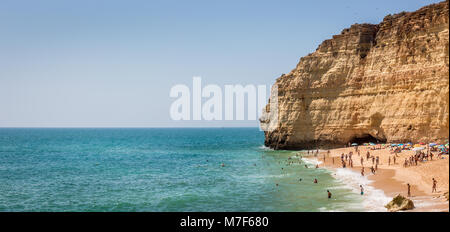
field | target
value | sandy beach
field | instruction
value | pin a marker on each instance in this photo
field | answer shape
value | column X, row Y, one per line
column 392, row 179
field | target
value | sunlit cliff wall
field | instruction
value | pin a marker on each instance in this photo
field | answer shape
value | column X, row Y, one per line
column 388, row 81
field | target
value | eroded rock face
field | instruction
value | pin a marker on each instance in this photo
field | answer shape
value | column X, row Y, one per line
column 387, row 82
column 398, row 203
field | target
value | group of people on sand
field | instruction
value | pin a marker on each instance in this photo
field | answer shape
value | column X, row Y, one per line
column 347, row 161
column 375, row 163
column 433, row 187
column 375, row 160
column 419, row 156
column 414, row 160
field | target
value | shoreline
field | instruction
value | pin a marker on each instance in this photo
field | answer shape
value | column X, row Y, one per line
column 392, row 179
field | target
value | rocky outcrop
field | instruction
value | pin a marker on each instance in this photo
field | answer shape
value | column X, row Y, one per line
column 399, row 203
column 387, row 82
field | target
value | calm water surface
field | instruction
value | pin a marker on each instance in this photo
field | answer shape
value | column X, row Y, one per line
column 158, row 170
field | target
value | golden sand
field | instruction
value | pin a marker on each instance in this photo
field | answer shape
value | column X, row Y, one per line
column 392, row 179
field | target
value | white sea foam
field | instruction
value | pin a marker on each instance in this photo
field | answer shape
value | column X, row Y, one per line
column 312, row 161
column 373, row 199
column 266, row 148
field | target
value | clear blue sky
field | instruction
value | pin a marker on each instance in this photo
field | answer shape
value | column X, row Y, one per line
column 112, row 63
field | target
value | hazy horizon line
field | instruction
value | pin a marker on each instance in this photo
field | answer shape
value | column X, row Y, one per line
column 154, row 127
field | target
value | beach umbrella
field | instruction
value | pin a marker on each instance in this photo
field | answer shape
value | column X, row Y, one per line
column 422, row 143
column 433, row 144
column 373, row 144
column 418, row 148
column 354, row 144
column 417, row 145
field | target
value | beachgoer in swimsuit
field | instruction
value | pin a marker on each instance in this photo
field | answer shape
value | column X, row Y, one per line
column 434, row 189
column 409, row 190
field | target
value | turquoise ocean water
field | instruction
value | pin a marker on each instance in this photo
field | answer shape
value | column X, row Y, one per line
column 159, row 170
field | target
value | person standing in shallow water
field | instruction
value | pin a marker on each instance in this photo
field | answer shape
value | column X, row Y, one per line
column 362, row 189
column 329, row 194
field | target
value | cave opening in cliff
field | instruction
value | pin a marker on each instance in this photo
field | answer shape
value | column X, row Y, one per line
column 366, row 138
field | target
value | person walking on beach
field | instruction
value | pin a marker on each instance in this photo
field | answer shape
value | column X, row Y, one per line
column 389, row 162
column 395, row 160
column 329, row 194
column 362, row 189
column 434, row 189
column 362, row 171
column 409, row 190
column 362, row 161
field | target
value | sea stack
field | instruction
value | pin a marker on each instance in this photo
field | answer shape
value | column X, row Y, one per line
column 384, row 83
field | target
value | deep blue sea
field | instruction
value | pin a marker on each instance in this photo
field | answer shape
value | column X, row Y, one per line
column 159, row 170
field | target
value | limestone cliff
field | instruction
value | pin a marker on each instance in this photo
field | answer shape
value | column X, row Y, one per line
column 387, row 82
